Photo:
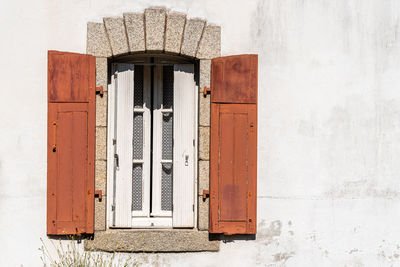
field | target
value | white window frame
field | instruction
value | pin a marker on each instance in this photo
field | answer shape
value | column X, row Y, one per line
column 157, row 143
column 141, row 219
column 146, row 141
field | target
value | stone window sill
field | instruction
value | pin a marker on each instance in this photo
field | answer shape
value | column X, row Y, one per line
column 151, row 240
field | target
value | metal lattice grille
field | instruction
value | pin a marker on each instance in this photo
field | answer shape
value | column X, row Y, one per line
column 138, row 92
column 168, row 86
column 137, row 174
column 167, row 136
column 166, row 187
column 138, row 136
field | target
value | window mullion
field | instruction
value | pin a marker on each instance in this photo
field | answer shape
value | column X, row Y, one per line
column 147, row 140
column 157, row 116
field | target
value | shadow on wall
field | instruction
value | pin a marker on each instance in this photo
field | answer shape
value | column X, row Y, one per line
column 77, row 238
column 264, row 232
column 230, row 238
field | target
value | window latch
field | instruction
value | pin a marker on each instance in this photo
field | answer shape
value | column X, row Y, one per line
column 186, row 160
column 116, row 157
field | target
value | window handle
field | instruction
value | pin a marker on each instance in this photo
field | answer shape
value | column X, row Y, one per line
column 116, row 157
column 186, row 160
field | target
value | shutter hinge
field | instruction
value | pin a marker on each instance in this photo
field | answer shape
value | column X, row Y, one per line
column 206, row 194
column 99, row 91
column 206, row 90
column 193, row 142
column 113, row 207
column 193, row 207
column 98, row 194
column 114, row 142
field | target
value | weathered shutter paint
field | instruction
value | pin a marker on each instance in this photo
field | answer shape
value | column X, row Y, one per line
column 70, row 143
column 233, row 148
column 234, row 79
column 184, row 134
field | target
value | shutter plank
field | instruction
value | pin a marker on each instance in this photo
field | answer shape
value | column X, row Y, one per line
column 232, row 154
column 252, row 169
column 124, row 144
column 79, row 163
column 71, row 129
column 51, row 169
column 214, row 165
column 65, row 166
column 184, row 133
column 110, row 152
column 233, row 150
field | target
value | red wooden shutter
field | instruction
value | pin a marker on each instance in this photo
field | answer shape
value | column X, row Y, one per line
column 233, row 151
column 70, row 143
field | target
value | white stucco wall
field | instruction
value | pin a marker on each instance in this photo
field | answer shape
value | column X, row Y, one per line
column 329, row 125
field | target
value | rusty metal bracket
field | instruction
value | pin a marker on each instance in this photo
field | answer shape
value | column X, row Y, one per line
column 206, row 90
column 99, row 90
column 98, row 194
column 206, row 194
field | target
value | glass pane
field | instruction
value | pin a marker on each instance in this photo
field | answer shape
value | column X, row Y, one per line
column 138, row 136
column 167, row 136
column 137, row 186
column 168, row 86
column 166, row 187
column 138, row 87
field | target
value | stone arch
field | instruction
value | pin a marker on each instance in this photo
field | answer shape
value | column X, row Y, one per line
column 156, row 30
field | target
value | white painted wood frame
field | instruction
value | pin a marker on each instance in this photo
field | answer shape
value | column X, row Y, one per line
column 184, row 129
column 184, row 146
column 146, row 110
column 158, row 110
column 110, row 153
column 124, row 89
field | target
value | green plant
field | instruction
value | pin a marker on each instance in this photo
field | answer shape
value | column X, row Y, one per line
column 70, row 255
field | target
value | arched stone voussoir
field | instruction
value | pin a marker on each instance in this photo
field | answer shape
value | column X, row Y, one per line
column 174, row 32
column 97, row 43
column 115, row 28
column 191, row 36
column 155, row 28
column 210, row 43
column 134, row 24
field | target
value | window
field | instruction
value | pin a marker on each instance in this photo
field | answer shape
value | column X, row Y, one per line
column 152, row 144
column 76, row 139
